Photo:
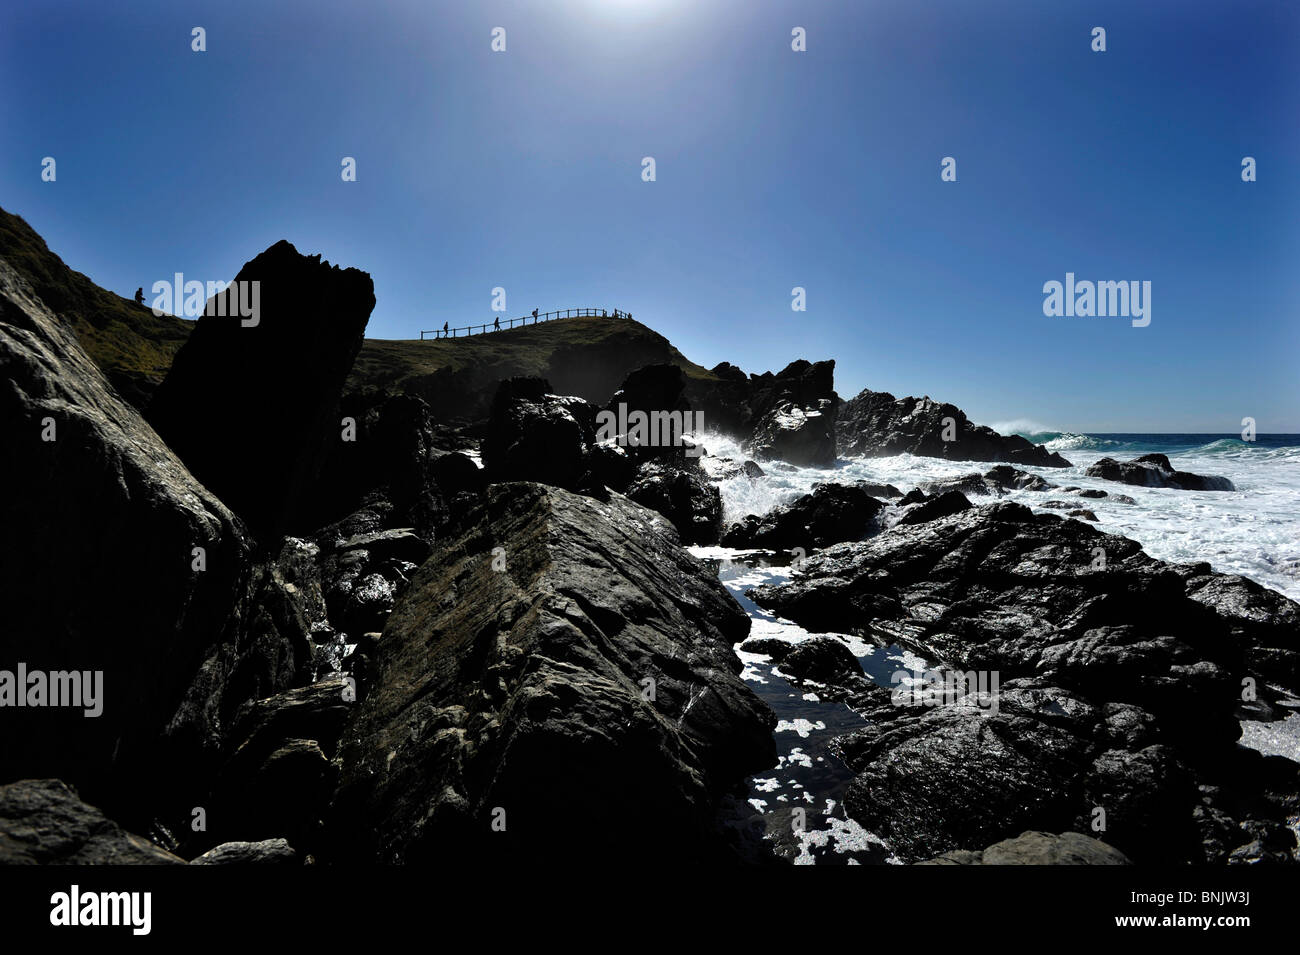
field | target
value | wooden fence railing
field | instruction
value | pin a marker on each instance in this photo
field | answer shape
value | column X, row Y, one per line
column 503, row 325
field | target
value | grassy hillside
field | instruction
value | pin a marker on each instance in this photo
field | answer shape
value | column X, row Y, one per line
column 131, row 345
column 588, row 357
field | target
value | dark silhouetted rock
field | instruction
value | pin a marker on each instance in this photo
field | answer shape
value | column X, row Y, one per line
column 564, row 658
column 278, row 778
column 1154, row 470
column 534, row 435
column 876, row 424
column 830, row 514
column 44, row 822
column 394, row 459
column 252, row 411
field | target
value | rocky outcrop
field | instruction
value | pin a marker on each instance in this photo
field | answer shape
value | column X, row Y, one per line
column 44, row 822
column 1038, row 848
column 996, row 481
column 1119, row 682
column 830, row 514
column 252, row 409
column 788, row 416
column 534, row 435
column 875, row 424
column 682, row 494
column 117, row 562
column 794, row 415
column 393, row 460
column 562, row 659
column 1154, row 470
column 940, row 505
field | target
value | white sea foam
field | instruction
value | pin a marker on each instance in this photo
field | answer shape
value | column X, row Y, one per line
column 1254, row 531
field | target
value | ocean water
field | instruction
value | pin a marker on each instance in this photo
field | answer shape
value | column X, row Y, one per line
column 1254, row 531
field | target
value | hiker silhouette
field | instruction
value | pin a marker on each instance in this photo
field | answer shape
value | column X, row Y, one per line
column 534, row 316
column 139, row 296
column 496, row 323
column 444, row 329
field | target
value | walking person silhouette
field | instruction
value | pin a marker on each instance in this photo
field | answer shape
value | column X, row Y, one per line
column 444, row 329
column 496, row 324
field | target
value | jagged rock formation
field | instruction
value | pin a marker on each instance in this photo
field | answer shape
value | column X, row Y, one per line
column 1154, row 470
column 252, row 410
column 44, row 822
column 683, row 495
column 789, row 416
column 1120, row 681
column 582, row 670
column 533, row 435
column 875, row 424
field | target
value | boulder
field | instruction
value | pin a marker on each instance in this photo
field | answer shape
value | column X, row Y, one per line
column 101, row 574
column 876, row 424
column 1154, row 470
column 266, row 852
column 683, row 495
column 562, row 659
column 253, row 410
column 393, row 458
column 941, row 505
column 830, row 514
column 1038, row 848
column 44, row 822
column 534, row 435
column 803, row 436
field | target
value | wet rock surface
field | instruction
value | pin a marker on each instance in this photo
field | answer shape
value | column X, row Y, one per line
column 1120, row 679
column 1154, row 470
column 513, row 675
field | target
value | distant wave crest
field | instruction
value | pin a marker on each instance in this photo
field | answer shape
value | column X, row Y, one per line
column 1067, row 440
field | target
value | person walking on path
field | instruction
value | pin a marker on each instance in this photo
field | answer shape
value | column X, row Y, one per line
column 444, row 329
column 534, row 316
column 496, row 324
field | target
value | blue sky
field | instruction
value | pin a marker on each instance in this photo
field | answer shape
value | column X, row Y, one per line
column 775, row 169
